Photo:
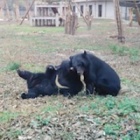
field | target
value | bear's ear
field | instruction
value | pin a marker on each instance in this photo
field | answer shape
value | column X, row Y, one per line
column 71, row 57
column 50, row 69
column 24, row 74
column 84, row 54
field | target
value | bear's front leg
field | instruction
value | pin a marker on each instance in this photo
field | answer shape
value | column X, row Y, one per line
column 31, row 94
column 89, row 88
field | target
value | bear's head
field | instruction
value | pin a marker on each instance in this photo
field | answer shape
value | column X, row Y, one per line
column 80, row 62
column 64, row 74
column 65, row 69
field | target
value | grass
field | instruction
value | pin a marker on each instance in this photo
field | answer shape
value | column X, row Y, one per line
column 134, row 53
column 13, row 66
column 51, row 108
column 110, row 105
column 11, row 134
column 133, row 85
column 109, row 109
column 7, row 116
column 67, row 136
column 131, row 136
column 120, row 50
column 40, row 121
column 34, row 68
column 32, row 49
column 128, row 106
column 112, row 129
column 28, row 29
column 114, row 112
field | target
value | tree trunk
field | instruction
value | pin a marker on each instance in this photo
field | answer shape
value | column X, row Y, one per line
column 121, row 37
column 130, row 16
column 74, row 23
column 88, row 16
column 7, row 15
column 16, row 9
column 27, row 11
column 2, row 10
column 87, row 19
column 71, row 21
column 27, row 5
column 137, row 12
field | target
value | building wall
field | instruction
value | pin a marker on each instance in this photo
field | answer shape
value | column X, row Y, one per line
column 110, row 11
column 100, row 9
column 124, row 12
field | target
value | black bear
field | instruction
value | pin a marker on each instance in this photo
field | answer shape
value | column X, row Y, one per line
column 69, row 78
column 38, row 83
column 98, row 75
column 56, row 79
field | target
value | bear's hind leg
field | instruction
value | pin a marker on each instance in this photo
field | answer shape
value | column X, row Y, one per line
column 103, row 89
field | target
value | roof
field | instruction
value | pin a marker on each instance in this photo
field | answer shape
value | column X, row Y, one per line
column 78, row 1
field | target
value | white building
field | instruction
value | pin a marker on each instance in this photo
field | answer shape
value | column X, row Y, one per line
column 49, row 14
column 98, row 8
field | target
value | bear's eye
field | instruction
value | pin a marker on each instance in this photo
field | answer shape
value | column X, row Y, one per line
column 81, row 64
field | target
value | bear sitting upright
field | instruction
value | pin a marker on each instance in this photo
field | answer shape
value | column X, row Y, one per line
column 38, row 83
column 98, row 75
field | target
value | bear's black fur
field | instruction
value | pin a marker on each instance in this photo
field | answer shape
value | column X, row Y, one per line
column 68, row 82
column 38, row 83
column 68, row 77
column 98, row 75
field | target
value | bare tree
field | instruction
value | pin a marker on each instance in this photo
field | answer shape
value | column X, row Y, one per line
column 88, row 16
column 16, row 9
column 130, row 16
column 27, row 5
column 71, row 21
column 121, row 37
column 137, row 12
column 27, row 11
column 2, row 9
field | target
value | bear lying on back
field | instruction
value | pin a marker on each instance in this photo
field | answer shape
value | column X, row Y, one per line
column 60, row 78
column 98, row 75
column 38, row 83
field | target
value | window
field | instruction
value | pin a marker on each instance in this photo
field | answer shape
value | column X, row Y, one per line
column 81, row 9
column 90, row 9
column 73, row 9
column 99, row 10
